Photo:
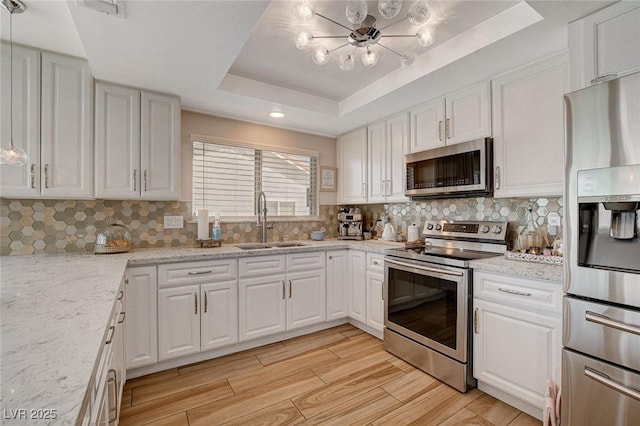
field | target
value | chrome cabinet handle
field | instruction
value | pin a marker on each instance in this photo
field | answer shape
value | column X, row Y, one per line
column 516, row 292
column 145, row 180
column 447, row 129
column 283, row 290
column 497, row 177
column 126, row 281
column 290, row 289
column 46, row 176
column 382, row 291
column 110, row 338
column 609, row 322
column 475, row 320
column 200, row 272
column 33, row 176
column 113, row 380
column 603, row 379
column 440, row 130
column 135, row 179
column 120, row 294
column 123, row 314
column 195, row 304
column 206, row 302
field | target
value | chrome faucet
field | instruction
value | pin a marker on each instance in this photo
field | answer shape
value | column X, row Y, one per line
column 262, row 214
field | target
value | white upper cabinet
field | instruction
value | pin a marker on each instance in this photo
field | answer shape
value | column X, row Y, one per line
column 67, row 127
column 605, row 43
column 352, row 167
column 137, row 144
column 458, row 117
column 52, row 122
column 21, row 181
column 528, row 124
column 387, row 143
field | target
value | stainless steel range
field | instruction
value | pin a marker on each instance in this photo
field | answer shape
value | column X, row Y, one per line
column 428, row 295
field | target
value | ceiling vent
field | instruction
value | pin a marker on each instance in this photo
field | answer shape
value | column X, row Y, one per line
column 110, row 7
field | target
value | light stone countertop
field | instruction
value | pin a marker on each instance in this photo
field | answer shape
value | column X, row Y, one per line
column 537, row 271
column 55, row 310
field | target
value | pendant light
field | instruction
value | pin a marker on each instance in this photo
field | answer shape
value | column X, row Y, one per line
column 12, row 155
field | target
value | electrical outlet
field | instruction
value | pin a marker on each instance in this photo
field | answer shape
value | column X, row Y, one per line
column 553, row 219
column 173, row 222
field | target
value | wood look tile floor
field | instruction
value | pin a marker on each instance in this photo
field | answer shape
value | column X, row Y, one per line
column 340, row 376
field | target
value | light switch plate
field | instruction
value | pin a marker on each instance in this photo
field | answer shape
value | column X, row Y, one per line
column 173, row 222
column 553, row 219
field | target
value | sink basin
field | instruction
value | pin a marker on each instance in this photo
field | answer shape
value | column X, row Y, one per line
column 264, row 246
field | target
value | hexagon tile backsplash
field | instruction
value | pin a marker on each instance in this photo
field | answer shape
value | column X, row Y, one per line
column 60, row 226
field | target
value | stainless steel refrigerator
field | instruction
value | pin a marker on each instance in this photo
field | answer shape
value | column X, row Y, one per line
column 601, row 324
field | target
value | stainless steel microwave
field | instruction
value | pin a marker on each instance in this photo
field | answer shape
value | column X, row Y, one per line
column 460, row 170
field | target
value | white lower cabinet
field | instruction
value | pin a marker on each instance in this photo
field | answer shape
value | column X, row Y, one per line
column 141, row 327
column 337, row 284
column 374, row 288
column 516, row 344
column 219, row 319
column 293, row 297
column 178, row 321
column 357, row 285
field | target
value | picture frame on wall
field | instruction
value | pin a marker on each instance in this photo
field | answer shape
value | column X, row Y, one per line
column 328, row 179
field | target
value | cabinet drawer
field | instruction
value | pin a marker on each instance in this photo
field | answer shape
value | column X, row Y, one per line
column 539, row 295
column 375, row 262
column 305, row 261
column 173, row 274
column 261, row 266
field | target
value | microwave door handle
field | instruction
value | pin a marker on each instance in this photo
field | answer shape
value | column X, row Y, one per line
column 425, row 268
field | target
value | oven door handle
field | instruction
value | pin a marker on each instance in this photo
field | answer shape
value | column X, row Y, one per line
column 425, row 268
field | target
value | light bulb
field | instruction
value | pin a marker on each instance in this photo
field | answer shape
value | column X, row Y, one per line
column 356, row 11
column 425, row 37
column 303, row 11
column 320, row 55
column 303, row 40
column 408, row 60
column 419, row 13
column 389, row 8
column 346, row 62
column 369, row 58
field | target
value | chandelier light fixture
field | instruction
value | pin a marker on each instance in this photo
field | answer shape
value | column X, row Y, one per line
column 365, row 35
column 12, row 155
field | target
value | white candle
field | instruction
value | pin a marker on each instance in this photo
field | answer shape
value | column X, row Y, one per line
column 203, row 224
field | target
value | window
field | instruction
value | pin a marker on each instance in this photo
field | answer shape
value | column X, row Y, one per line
column 228, row 178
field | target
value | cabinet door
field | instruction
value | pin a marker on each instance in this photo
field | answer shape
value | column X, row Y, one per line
column 21, row 182
column 117, row 142
column 357, row 286
column 141, row 326
column 397, row 142
column 67, row 127
column 178, row 321
column 306, row 301
column 337, row 285
column 375, row 301
column 160, row 146
column 468, row 114
column 376, row 162
column 522, row 367
column 261, row 306
column 427, row 126
column 219, row 319
column 352, row 165
column 528, row 117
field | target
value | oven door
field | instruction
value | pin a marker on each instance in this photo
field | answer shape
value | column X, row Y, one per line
column 429, row 304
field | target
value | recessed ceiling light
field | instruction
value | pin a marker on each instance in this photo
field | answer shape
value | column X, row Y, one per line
column 276, row 114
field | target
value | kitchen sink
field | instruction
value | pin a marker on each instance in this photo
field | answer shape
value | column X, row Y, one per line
column 264, row 246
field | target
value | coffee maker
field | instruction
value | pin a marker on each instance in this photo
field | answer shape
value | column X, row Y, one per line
column 350, row 226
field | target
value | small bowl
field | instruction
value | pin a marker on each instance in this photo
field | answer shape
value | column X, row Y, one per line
column 317, row 235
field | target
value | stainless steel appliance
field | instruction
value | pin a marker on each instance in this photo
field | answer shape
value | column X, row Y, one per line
column 428, row 297
column 601, row 354
column 459, row 170
column 350, row 226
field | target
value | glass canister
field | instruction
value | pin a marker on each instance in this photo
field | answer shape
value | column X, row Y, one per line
column 115, row 238
column 530, row 239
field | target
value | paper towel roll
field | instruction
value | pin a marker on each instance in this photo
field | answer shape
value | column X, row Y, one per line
column 203, row 224
column 413, row 233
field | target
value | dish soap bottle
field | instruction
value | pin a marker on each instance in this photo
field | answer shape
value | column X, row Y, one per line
column 530, row 240
column 216, row 232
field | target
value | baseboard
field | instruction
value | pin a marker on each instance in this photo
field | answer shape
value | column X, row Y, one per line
column 366, row 328
column 531, row 410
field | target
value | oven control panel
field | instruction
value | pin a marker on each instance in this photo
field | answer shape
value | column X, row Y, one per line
column 477, row 230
